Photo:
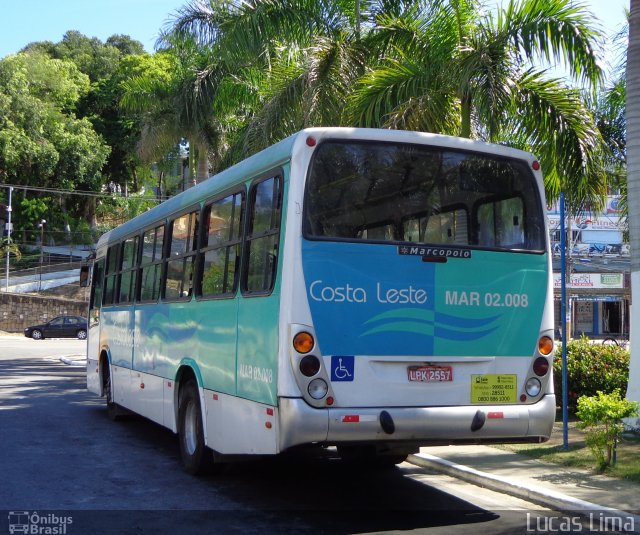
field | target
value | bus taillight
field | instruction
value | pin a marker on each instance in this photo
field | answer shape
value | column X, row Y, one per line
column 309, row 365
column 540, row 366
column 545, row 345
column 318, row 388
column 303, row 342
column 533, row 387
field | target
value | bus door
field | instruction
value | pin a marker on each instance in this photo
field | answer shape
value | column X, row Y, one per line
column 93, row 324
column 117, row 315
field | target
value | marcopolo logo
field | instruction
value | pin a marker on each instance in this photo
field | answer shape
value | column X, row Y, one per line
column 434, row 252
column 38, row 523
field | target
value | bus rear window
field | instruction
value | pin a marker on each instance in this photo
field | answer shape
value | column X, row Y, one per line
column 387, row 192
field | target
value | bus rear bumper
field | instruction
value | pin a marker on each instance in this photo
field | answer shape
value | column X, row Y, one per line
column 420, row 426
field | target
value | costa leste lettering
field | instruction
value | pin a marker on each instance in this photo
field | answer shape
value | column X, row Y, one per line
column 327, row 293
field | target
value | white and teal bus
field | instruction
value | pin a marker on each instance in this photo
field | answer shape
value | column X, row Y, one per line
column 374, row 290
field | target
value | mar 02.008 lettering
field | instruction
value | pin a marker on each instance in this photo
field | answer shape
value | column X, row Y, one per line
column 489, row 299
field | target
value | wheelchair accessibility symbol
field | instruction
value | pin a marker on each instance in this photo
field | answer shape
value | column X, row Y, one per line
column 342, row 367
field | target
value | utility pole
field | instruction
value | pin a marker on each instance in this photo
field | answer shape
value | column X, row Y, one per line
column 8, row 237
column 41, row 226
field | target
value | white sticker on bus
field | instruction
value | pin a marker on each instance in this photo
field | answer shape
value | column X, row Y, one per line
column 489, row 299
column 356, row 294
column 255, row 373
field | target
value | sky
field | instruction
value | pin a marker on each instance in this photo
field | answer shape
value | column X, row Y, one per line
column 25, row 21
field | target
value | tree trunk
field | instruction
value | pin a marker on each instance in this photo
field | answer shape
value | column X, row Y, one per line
column 203, row 164
column 633, row 184
column 465, row 116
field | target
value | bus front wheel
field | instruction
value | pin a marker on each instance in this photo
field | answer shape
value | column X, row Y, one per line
column 114, row 412
column 196, row 458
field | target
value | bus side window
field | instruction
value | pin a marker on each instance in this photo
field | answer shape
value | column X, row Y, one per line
column 151, row 264
column 126, row 275
column 95, row 301
column 446, row 227
column 501, row 223
column 108, row 297
column 263, row 236
column 182, row 252
column 220, row 248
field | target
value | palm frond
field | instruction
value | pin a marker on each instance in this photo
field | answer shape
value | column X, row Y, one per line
column 381, row 95
column 558, row 31
column 562, row 131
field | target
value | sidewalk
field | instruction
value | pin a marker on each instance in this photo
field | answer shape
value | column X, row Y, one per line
column 564, row 489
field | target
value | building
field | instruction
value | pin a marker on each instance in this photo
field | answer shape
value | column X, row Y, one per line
column 599, row 289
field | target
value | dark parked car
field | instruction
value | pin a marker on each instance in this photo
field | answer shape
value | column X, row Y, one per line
column 60, row 327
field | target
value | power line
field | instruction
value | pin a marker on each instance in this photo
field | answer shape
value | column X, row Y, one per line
column 83, row 193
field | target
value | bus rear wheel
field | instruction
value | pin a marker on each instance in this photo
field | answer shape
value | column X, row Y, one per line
column 196, row 457
column 368, row 457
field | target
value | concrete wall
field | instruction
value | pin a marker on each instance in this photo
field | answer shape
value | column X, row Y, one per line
column 18, row 311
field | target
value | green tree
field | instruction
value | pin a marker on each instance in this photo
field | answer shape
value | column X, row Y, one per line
column 42, row 142
column 8, row 248
column 126, row 45
column 609, row 110
column 279, row 65
column 601, row 415
column 106, row 64
column 447, row 66
column 120, row 128
column 176, row 105
column 442, row 66
column 92, row 57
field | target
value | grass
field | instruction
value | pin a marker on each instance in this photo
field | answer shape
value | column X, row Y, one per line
column 578, row 454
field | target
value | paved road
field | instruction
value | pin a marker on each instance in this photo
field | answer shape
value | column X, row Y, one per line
column 61, row 457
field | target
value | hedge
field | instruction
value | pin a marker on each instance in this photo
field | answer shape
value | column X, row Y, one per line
column 591, row 367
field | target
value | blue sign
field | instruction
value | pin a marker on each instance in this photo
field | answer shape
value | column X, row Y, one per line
column 342, row 368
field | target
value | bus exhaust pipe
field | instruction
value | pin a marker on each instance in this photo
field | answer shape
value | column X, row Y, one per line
column 478, row 421
column 387, row 423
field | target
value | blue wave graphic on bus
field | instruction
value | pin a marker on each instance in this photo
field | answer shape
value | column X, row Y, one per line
column 431, row 323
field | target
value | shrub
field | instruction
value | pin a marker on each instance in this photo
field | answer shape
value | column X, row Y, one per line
column 601, row 415
column 591, row 368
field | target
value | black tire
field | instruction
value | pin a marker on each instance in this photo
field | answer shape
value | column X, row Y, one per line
column 389, row 461
column 610, row 342
column 114, row 412
column 82, row 334
column 366, row 458
column 36, row 334
column 196, row 457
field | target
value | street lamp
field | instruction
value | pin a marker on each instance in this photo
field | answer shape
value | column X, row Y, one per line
column 41, row 227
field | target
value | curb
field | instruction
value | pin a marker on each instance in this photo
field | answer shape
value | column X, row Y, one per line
column 74, row 360
column 545, row 497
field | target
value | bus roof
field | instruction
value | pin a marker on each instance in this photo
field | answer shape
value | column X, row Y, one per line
column 280, row 153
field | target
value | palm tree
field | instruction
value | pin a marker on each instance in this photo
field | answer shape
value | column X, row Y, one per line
column 291, row 63
column 178, row 105
column 449, row 67
column 434, row 65
column 633, row 174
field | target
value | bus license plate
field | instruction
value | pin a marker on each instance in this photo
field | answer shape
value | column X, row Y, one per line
column 430, row 374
